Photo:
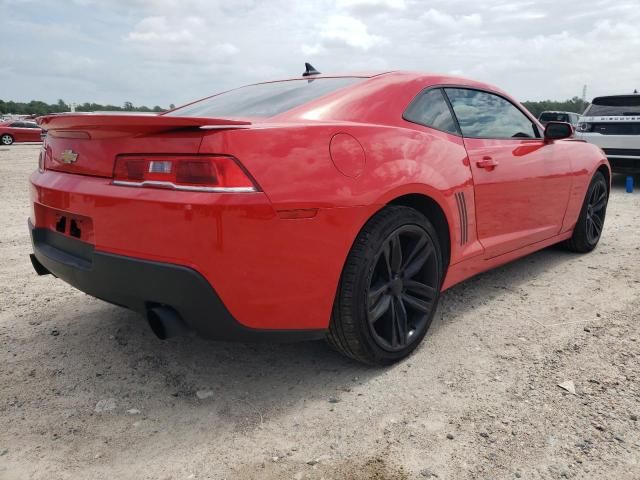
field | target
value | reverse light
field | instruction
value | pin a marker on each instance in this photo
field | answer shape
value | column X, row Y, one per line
column 195, row 173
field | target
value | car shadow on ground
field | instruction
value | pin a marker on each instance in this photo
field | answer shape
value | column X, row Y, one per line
column 497, row 283
column 247, row 383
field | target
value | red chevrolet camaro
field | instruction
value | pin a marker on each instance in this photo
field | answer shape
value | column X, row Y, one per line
column 19, row 131
column 327, row 206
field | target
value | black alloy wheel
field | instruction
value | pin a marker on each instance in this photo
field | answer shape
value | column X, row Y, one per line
column 590, row 223
column 596, row 209
column 403, row 288
column 389, row 288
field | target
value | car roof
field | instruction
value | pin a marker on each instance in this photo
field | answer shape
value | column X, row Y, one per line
column 402, row 76
column 346, row 103
column 379, row 99
column 622, row 95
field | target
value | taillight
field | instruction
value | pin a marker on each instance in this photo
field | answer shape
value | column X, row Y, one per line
column 196, row 173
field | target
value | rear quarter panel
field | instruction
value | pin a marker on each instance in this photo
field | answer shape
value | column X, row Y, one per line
column 294, row 168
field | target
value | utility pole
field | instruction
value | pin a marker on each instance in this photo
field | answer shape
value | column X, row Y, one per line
column 584, row 94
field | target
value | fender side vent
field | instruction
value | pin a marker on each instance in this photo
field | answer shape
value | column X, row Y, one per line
column 462, row 214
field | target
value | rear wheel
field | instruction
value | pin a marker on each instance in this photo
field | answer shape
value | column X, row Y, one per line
column 588, row 229
column 6, row 139
column 389, row 288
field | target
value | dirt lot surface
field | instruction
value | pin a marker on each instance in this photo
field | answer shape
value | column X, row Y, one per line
column 87, row 391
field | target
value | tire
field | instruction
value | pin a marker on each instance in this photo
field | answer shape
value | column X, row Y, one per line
column 590, row 224
column 6, row 139
column 392, row 276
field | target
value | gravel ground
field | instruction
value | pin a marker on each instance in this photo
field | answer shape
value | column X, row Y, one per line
column 87, row 392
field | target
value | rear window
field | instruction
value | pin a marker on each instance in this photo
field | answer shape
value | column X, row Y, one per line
column 431, row 110
column 554, row 117
column 619, row 105
column 265, row 99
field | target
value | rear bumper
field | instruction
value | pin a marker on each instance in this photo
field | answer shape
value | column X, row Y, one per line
column 140, row 284
column 270, row 272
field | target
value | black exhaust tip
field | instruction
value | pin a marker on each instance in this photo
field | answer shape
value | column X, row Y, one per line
column 165, row 322
column 37, row 266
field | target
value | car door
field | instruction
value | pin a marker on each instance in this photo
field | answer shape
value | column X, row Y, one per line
column 521, row 184
column 19, row 132
column 33, row 132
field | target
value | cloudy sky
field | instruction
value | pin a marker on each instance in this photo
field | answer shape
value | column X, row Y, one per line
column 157, row 52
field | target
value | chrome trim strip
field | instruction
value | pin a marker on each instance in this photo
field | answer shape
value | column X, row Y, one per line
column 187, row 188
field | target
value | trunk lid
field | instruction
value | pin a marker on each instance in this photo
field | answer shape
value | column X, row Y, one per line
column 88, row 144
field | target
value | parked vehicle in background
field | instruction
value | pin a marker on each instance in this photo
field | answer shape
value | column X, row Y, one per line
column 613, row 123
column 553, row 116
column 19, row 131
column 332, row 206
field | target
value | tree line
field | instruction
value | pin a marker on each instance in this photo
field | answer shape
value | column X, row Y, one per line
column 576, row 104
column 36, row 107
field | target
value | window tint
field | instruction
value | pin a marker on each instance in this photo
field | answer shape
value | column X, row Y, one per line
column 16, row 125
column 618, row 105
column 265, row 99
column 431, row 110
column 31, row 125
column 485, row 115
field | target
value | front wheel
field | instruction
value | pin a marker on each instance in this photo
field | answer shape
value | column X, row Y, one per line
column 6, row 139
column 588, row 229
column 389, row 288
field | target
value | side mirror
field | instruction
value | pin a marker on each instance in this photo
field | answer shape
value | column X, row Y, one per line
column 558, row 130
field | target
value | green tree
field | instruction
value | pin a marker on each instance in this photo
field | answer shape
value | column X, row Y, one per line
column 37, row 107
column 576, row 105
column 62, row 106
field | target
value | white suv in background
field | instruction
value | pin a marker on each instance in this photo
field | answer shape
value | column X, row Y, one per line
column 613, row 123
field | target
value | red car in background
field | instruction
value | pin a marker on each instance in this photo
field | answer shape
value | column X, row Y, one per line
column 329, row 206
column 19, row 131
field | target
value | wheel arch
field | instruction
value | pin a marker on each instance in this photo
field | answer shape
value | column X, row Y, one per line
column 604, row 169
column 431, row 209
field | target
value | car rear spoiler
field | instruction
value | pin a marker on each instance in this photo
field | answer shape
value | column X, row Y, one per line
column 133, row 123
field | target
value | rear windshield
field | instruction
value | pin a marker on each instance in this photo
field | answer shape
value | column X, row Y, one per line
column 554, row 117
column 619, row 105
column 264, row 99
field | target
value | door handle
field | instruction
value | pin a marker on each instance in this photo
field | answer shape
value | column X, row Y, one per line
column 487, row 162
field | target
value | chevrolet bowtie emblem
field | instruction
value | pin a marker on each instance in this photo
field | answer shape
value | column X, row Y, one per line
column 68, row 156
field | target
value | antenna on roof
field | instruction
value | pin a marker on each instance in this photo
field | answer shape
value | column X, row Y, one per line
column 309, row 70
column 635, row 91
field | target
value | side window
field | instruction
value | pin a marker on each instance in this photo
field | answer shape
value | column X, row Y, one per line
column 484, row 115
column 16, row 125
column 431, row 110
